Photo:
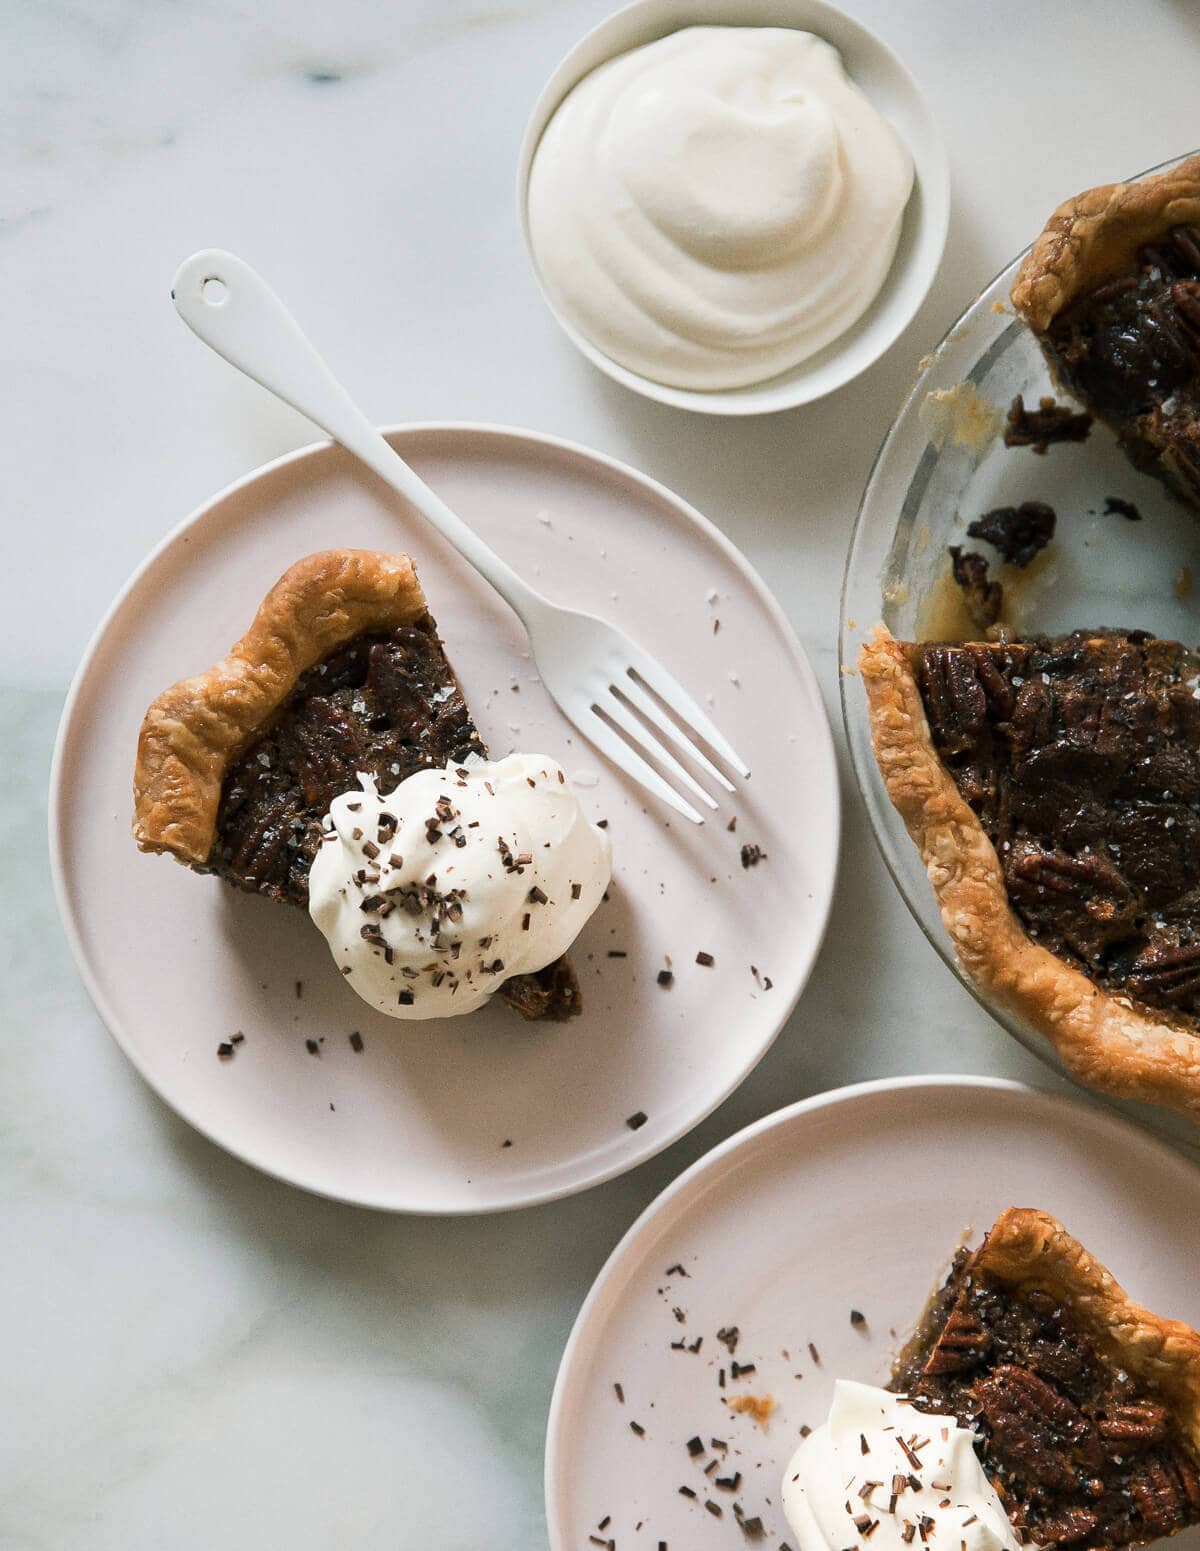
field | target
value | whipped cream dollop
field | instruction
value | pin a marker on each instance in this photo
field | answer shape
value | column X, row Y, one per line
column 431, row 896
column 716, row 206
column 829, row 1500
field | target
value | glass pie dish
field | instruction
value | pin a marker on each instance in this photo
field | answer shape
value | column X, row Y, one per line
column 943, row 464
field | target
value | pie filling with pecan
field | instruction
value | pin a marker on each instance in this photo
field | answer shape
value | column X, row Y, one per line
column 341, row 673
column 1080, row 756
column 1052, row 786
column 1112, row 290
column 1086, row 1405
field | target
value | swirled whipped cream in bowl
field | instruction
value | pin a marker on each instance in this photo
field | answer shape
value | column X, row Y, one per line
column 431, row 896
column 716, row 206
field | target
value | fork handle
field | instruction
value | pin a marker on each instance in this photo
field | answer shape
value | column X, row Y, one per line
column 235, row 312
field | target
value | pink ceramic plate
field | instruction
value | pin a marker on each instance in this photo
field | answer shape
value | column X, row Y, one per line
column 420, row 1119
column 852, row 1201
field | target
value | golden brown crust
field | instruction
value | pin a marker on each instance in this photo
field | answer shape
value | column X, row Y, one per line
column 1106, row 1040
column 197, row 727
column 1032, row 1249
column 1097, row 233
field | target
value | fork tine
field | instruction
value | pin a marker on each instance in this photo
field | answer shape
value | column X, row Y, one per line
column 627, row 759
column 633, row 691
column 666, row 688
column 629, row 723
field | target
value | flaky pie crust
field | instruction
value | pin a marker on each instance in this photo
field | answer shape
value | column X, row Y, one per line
column 194, row 730
column 1106, row 1040
column 1095, row 235
column 1032, row 1249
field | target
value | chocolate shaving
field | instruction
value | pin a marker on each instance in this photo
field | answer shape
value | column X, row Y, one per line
column 706, row 959
column 635, row 1122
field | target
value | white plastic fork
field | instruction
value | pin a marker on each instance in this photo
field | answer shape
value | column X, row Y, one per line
column 605, row 683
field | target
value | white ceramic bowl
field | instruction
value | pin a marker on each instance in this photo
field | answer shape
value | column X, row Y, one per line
column 873, row 66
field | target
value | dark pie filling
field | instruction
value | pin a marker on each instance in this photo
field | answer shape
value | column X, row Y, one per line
column 389, row 705
column 1130, row 349
column 1082, row 1453
column 1080, row 756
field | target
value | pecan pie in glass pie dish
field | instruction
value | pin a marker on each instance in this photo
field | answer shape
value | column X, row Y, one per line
column 1052, row 787
column 1085, row 1406
column 1052, row 781
column 330, row 762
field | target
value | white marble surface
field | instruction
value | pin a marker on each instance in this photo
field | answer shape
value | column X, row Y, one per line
column 194, row 1355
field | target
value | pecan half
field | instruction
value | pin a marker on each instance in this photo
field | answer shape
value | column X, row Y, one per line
column 1032, row 721
column 1186, row 296
column 1034, row 1425
column 1167, row 974
column 1160, row 1496
column 1187, row 243
column 954, row 698
column 1062, row 1528
column 1082, row 899
column 962, row 1342
column 1134, row 1425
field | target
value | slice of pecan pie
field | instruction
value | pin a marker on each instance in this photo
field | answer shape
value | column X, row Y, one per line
column 341, row 672
column 1052, row 787
column 1111, row 288
column 1087, row 1406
